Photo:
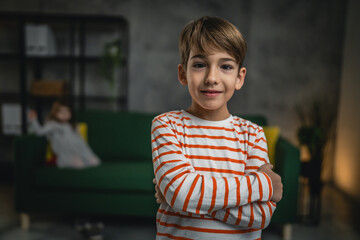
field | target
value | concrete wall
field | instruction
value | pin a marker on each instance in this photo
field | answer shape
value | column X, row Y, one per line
column 347, row 160
column 294, row 54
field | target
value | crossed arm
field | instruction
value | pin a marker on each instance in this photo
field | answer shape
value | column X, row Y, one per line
column 255, row 214
column 243, row 201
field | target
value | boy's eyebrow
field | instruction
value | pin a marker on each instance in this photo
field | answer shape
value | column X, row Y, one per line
column 228, row 59
column 198, row 56
column 222, row 59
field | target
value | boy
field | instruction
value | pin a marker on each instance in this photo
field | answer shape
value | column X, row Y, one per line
column 213, row 176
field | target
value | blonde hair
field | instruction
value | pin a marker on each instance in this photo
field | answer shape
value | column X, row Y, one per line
column 210, row 33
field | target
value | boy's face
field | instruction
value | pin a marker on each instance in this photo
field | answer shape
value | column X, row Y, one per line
column 212, row 79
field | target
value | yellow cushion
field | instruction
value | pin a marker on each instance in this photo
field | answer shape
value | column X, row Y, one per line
column 82, row 129
column 272, row 134
column 50, row 158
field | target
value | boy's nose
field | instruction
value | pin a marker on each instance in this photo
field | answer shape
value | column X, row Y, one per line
column 212, row 76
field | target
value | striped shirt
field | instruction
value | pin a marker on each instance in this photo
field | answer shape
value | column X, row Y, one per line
column 207, row 172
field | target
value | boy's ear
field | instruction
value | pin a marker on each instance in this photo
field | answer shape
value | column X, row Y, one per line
column 182, row 75
column 240, row 78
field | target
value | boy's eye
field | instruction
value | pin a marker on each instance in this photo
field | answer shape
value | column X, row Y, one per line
column 227, row 67
column 199, row 65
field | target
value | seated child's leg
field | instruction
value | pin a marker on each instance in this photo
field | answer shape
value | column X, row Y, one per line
column 93, row 161
column 78, row 163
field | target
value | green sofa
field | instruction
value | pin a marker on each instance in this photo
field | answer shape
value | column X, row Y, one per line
column 122, row 185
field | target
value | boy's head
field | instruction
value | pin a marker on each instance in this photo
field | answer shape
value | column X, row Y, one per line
column 211, row 33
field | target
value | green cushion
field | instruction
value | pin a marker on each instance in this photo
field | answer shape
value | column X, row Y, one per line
column 114, row 134
column 119, row 176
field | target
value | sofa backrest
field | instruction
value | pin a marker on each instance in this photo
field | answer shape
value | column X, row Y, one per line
column 124, row 135
column 257, row 119
column 118, row 135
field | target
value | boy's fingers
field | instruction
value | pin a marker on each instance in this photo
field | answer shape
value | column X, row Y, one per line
column 266, row 166
column 159, row 198
column 154, row 180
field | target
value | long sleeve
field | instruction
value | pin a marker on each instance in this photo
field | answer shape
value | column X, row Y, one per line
column 186, row 190
column 256, row 214
column 45, row 130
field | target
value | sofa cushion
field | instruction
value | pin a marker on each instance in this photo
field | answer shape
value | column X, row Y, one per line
column 272, row 134
column 118, row 176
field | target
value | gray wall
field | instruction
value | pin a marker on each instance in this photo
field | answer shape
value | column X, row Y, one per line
column 347, row 164
column 294, row 54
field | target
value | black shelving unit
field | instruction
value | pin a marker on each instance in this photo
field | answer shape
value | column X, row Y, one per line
column 77, row 30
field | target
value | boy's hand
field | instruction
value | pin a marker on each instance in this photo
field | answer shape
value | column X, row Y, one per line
column 276, row 181
column 158, row 195
column 32, row 115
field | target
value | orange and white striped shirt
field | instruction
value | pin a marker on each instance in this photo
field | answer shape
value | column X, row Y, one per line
column 207, row 172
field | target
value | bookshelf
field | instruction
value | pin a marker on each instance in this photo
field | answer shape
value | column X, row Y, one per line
column 75, row 58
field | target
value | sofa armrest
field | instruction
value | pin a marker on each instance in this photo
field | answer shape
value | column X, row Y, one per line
column 29, row 152
column 287, row 164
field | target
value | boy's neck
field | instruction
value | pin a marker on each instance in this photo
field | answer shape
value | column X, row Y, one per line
column 209, row 115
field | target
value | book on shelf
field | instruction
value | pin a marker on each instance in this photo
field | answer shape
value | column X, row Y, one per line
column 39, row 40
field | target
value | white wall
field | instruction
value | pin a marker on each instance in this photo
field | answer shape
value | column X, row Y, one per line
column 347, row 157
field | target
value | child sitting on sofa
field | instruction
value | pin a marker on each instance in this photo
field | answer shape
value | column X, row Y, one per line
column 71, row 149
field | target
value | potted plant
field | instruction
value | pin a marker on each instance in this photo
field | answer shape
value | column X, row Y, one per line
column 317, row 121
column 110, row 64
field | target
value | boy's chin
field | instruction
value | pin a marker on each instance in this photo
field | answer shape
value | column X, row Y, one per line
column 212, row 109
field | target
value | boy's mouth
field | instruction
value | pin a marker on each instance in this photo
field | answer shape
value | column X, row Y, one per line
column 210, row 93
